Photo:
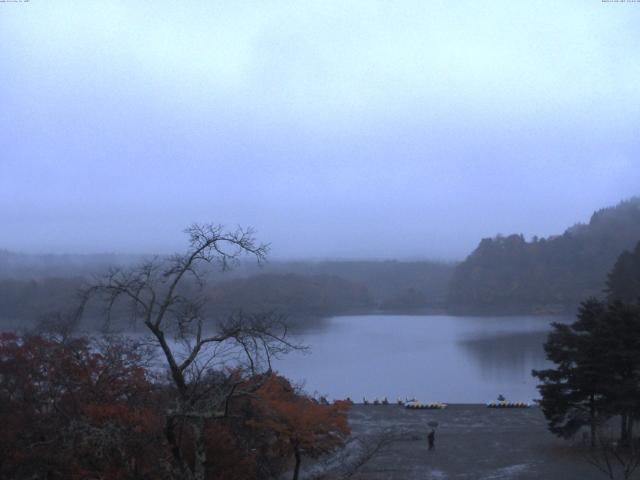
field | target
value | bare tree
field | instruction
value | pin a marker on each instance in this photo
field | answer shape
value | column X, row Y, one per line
column 209, row 362
column 614, row 459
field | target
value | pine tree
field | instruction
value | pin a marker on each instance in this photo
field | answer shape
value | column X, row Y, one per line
column 573, row 391
column 597, row 372
column 623, row 283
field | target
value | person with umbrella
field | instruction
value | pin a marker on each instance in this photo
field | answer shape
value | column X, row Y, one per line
column 431, row 438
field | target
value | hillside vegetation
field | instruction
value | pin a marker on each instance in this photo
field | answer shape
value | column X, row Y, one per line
column 34, row 286
column 504, row 274
column 510, row 274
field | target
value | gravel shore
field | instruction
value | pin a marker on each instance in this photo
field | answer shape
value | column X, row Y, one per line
column 472, row 442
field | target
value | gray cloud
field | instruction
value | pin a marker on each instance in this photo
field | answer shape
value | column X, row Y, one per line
column 340, row 129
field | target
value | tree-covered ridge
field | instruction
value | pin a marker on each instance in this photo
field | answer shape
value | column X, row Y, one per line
column 298, row 297
column 303, row 290
column 508, row 273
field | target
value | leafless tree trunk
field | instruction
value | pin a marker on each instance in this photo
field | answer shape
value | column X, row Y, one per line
column 195, row 351
column 298, row 458
column 615, row 460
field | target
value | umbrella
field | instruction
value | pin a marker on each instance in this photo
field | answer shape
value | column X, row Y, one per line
column 433, row 424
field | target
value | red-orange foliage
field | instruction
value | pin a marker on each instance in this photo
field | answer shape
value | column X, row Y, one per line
column 82, row 409
column 229, row 460
column 300, row 425
column 70, row 408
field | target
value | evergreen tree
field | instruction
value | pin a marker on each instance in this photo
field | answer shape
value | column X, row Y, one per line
column 597, row 373
column 623, row 283
column 618, row 337
column 573, row 393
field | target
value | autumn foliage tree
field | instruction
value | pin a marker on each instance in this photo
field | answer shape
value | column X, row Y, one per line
column 298, row 425
column 80, row 408
column 75, row 408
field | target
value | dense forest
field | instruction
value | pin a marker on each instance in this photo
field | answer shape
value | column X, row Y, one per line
column 297, row 297
column 33, row 287
column 400, row 286
column 37, row 266
column 546, row 275
column 504, row 274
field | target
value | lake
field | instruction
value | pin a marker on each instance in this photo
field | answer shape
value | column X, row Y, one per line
column 431, row 357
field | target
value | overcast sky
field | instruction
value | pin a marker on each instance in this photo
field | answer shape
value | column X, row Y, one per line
column 386, row 129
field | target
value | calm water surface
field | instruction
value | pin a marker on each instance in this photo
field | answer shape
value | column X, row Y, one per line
column 430, row 357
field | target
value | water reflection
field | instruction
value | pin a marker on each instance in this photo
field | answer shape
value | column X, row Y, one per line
column 453, row 359
column 507, row 357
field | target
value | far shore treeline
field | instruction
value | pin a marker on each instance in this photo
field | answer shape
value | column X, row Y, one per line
column 506, row 274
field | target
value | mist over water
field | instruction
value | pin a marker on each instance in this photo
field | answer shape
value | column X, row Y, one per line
column 433, row 358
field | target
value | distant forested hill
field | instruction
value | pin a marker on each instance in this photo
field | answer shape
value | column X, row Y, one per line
column 36, row 266
column 35, row 286
column 299, row 298
column 394, row 285
column 510, row 274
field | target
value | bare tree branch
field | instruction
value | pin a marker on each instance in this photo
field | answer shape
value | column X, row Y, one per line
column 166, row 295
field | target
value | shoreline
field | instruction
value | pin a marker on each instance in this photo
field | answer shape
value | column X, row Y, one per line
column 471, row 442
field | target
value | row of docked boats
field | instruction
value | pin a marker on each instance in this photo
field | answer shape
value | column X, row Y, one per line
column 505, row 404
column 426, row 406
column 414, row 404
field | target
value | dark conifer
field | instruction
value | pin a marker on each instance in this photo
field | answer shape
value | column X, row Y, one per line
column 623, row 283
column 597, row 370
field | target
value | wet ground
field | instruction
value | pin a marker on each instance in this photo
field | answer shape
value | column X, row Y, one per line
column 472, row 442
